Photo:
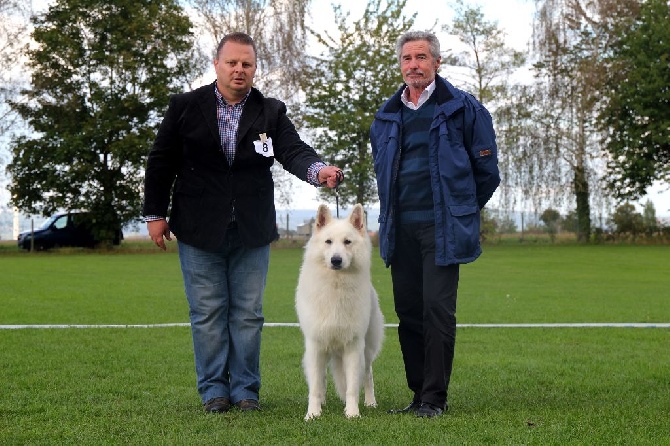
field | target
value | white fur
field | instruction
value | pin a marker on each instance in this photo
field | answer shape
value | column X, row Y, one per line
column 338, row 311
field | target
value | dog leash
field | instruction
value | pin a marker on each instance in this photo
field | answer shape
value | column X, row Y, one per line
column 340, row 177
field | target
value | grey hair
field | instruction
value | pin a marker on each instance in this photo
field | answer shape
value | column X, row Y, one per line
column 410, row 36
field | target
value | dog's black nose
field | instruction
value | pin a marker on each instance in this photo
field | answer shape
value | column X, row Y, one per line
column 336, row 262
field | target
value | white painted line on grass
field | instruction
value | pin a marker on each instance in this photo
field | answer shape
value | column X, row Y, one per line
column 293, row 324
column 40, row 326
column 573, row 325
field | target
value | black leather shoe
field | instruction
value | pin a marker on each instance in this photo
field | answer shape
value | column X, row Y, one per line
column 248, row 405
column 413, row 406
column 428, row 410
column 217, row 405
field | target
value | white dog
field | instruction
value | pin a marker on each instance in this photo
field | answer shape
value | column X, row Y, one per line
column 338, row 311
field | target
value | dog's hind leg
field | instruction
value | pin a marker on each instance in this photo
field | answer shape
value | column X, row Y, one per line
column 314, row 364
column 373, row 343
column 369, row 386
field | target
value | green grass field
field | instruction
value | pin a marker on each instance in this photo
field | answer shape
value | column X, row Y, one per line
column 511, row 386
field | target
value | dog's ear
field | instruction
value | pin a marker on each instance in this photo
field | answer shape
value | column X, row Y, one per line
column 357, row 218
column 323, row 217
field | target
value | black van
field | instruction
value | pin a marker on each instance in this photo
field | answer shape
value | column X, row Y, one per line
column 64, row 229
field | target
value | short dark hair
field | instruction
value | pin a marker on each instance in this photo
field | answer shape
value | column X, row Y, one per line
column 237, row 37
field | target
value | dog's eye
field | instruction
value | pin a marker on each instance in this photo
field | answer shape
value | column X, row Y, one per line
column 347, row 241
column 329, row 242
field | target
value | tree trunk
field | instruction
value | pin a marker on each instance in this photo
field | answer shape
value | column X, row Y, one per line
column 581, row 186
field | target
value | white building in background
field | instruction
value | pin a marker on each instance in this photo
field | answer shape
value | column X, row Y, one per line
column 305, row 229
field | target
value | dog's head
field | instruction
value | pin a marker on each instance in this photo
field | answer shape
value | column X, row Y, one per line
column 341, row 243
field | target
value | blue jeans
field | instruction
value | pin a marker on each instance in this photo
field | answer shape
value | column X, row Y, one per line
column 225, row 298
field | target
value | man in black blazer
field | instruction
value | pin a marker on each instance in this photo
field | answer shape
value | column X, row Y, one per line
column 211, row 161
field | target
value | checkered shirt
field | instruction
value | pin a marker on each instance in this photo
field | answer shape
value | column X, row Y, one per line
column 228, row 119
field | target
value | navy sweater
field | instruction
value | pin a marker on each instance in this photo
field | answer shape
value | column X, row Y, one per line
column 415, row 196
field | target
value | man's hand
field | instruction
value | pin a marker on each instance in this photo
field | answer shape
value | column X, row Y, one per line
column 330, row 176
column 157, row 230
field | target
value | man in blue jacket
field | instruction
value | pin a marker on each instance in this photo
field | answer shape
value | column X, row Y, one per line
column 435, row 158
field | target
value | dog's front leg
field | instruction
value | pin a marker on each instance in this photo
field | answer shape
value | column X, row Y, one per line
column 353, row 368
column 314, row 364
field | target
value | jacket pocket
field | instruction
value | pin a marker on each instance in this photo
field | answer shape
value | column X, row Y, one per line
column 464, row 233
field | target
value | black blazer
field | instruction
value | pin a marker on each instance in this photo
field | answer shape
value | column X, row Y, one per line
column 188, row 162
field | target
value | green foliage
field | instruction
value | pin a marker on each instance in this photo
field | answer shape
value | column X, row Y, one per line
column 627, row 219
column 344, row 88
column 102, row 75
column 489, row 225
column 507, row 225
column 636, row 113
column 629, row 222
column 570, row 221
column 551, row 218
column 649, row 218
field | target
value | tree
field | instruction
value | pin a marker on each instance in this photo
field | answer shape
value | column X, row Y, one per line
column 571, row 38
column 507, row 225
column 488, row 226
column 13, row 31
column 569, row 221
column 344, row 87
column 635, row 116
column 14, row 21
column 279, row 31
column 102, row 73
column 488, row 61
column 627, row 220
column 649, row 221
column 551, row 218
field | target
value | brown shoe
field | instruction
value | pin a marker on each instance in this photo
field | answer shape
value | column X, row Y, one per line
column 248, row 405
column 217, row 405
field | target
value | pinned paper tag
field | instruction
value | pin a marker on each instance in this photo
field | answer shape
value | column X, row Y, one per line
column 264, row 146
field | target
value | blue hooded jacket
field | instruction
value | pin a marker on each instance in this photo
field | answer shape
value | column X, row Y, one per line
column 463, row 159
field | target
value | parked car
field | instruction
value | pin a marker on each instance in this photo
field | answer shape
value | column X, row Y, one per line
column 64, row 229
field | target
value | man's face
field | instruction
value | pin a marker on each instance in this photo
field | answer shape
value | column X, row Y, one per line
column 235, row 68
column 417, row 64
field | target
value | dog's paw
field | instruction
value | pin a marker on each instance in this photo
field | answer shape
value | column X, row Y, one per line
column 313, row 412
column 372, row 403
column 351, row 412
